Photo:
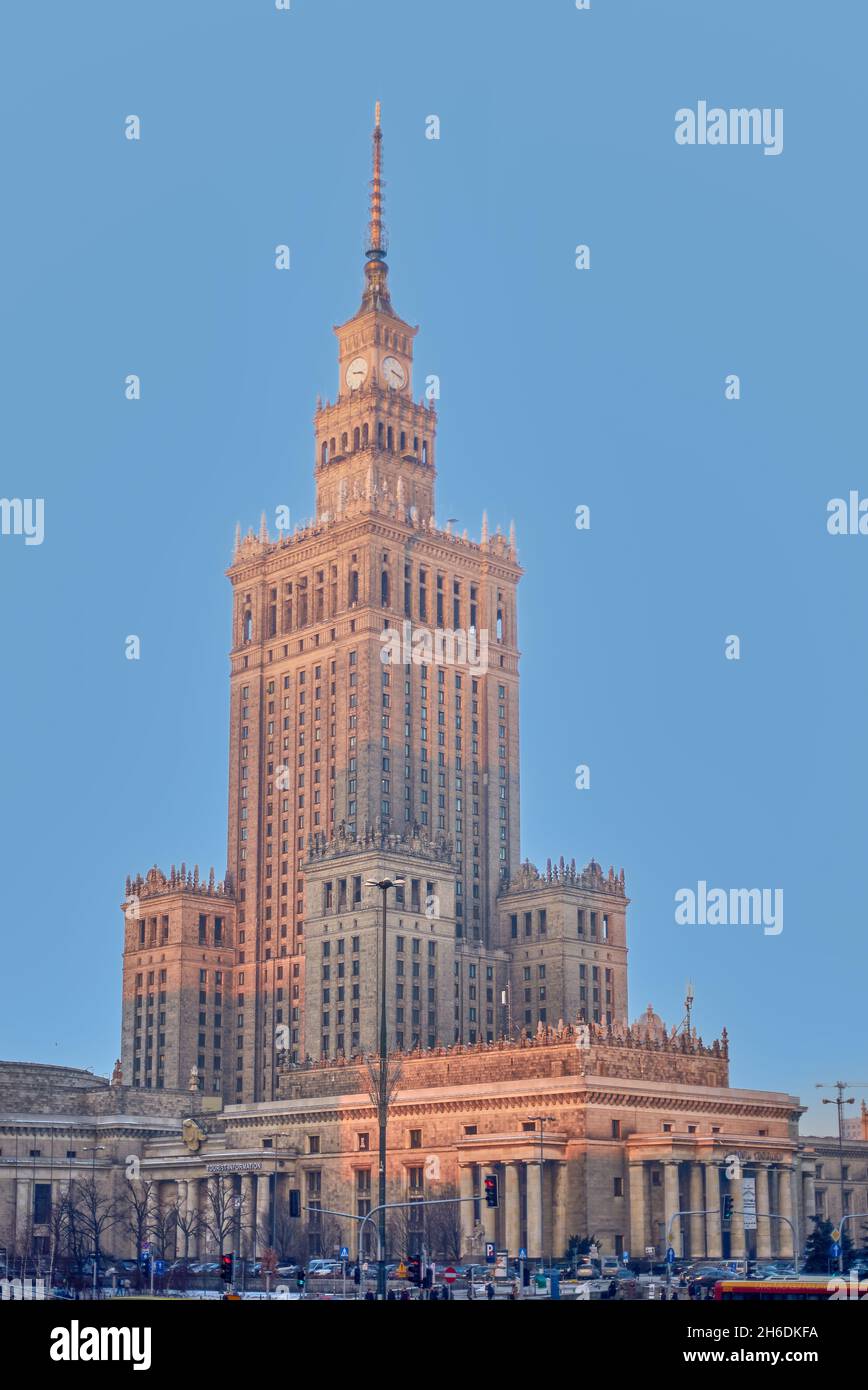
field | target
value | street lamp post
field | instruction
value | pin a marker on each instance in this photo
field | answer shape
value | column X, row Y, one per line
column 840, row 1101
column 384, row 884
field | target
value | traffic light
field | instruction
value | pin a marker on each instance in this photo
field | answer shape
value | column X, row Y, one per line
column 414, row 1272
column 525, row 1274
column 227, row 1268
column 727, row 1208
column 299, row 1279
column 491, row 1191
column 357, row 1274
column 145, row 1264
column 428, row 1278
column 294, row 1202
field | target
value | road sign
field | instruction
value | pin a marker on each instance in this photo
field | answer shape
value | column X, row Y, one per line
column 490, row 1252
column 626, row 1257
column 159, row 1266
column 522, row 1254
column 836, row 1235
column 449, row 1275
column 501, row 1264
column 146, row 1247
column 345, row 1254
column 670, row 1256
column 650, row 1249
column 834, row 1250
column 401, row 1271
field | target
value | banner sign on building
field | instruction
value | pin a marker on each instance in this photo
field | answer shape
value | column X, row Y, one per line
column 748, row 1203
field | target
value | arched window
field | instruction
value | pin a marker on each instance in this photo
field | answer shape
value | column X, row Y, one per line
column 403, row 441
column 390, row 439
column 343, row 443
column 354, row 587
column 324, row 453
column 424, row 450
column 332, row 449
column 384, row 589
column 365, row 436
column 356, row 437
column 379, row 434
column 247, row 625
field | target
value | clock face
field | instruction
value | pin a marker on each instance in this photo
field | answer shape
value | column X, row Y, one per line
column 393, row 373
column 356, row 373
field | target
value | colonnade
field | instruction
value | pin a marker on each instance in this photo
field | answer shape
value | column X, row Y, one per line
column 531, row 1212
column 697, row 1189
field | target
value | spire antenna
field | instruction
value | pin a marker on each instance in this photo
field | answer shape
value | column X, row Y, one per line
column 376, row 272
column 376, row 232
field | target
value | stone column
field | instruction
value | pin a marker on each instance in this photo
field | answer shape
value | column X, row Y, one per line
column 248, row 1215
column 263, row 1215
column 697, row 1220
column 560, row 1180
column 23, row 1211
column 489, row 1214
column 465, row 1190
column 809, row 1200
column 534, row 1210
column 672, row 1232
column 181, row 1203
column 737, row 1248
column 638, row 1212
column 763, row 1224
column 713, row 1237
column 512, row 1210
column 192, row 1208
column 785, row 1207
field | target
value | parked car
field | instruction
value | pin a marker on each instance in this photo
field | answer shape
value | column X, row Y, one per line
column 322, row 1269
column 707, row 1275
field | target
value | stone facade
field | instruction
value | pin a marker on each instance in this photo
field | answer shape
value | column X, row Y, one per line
column 589, row 1132
column 374, row 703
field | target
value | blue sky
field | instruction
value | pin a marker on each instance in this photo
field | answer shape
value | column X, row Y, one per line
column 559, row 387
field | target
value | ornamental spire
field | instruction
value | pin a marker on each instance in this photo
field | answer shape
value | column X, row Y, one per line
column 376, row 295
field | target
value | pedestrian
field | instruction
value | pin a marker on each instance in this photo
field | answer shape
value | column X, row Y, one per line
column 489, row 1290
column 613, row 1289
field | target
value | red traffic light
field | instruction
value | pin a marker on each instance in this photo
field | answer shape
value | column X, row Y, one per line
column 491, row 1192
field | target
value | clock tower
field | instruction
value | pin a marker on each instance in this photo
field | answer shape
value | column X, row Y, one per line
column 374, row 437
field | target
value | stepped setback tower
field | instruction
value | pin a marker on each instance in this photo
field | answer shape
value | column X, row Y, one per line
column 374, row 730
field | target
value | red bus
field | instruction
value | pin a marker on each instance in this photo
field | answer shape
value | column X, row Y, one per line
column 766, row 1289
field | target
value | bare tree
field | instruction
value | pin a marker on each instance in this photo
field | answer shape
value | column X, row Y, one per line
column 188, row 1225
column 223, row 1211
column 137, row 1204
column 95, row 1212
column 443, row 1227
column 164, row 1230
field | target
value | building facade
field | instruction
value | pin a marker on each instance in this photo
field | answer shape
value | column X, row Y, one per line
column 374, row 727
column 624, row 1136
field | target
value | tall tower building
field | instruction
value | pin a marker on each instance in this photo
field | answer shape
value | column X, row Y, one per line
column 325, row 735
column 374, row 732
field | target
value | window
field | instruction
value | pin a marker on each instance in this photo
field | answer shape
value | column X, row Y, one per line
column 364, row 1142
column 313, row 1144
column 618, row 1187
column 415, row 1138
